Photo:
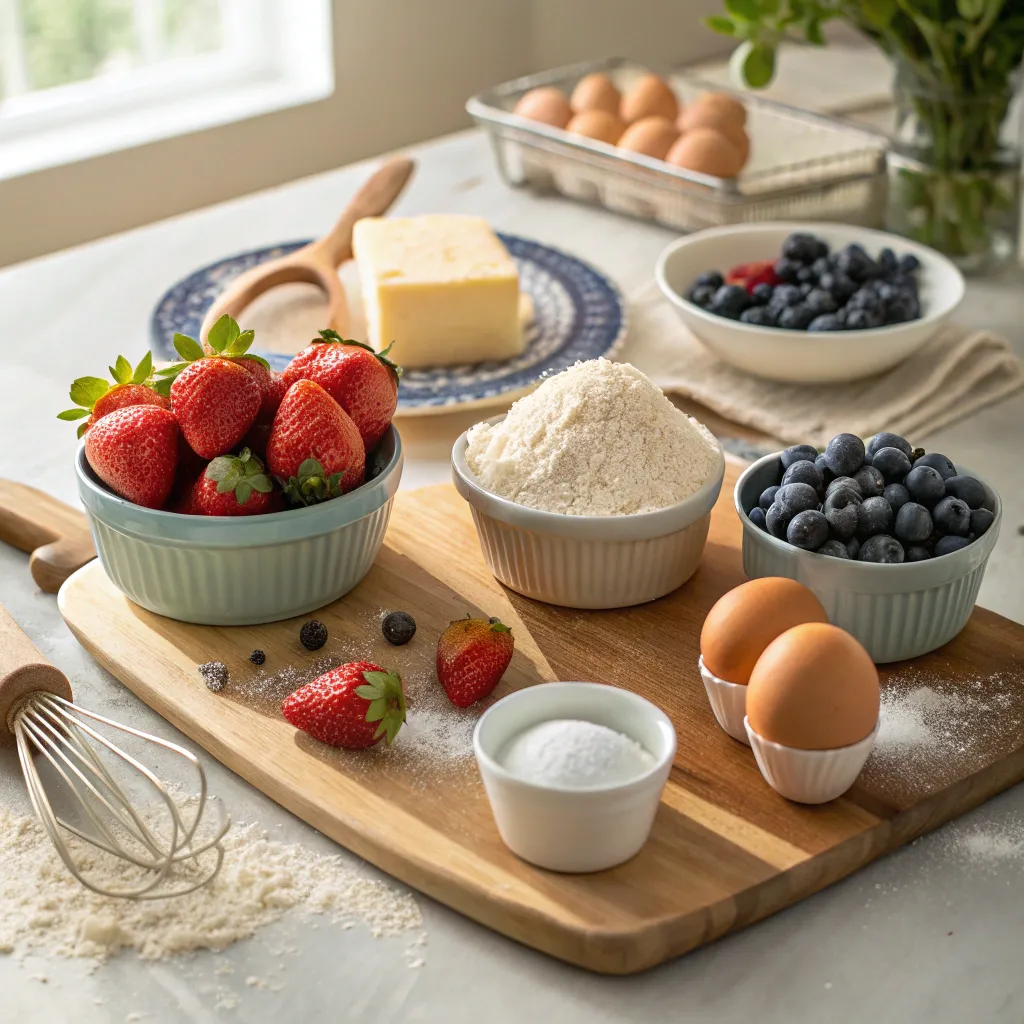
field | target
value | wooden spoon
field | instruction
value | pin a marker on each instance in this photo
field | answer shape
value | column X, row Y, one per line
column 318, row 262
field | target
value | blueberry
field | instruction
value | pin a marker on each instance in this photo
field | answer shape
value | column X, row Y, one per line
column 843, row 481
column 794, row 498
column 866, row 299
column 887, row 440
column 873, row 517
column 805, row 275
column 853, row 547
column 398, row 628
column 796, row 318
column 840, row 497
column 897, row 495
column 917, row 553
column 729, row 301
column 952, row 517
column 821, row 301
column 840, row 286
column 887, row 262
column 757, row 517
column 909, row 263
column 967, row 489
column 900, row 310
column 891, row 463
column 835, row 548
column 925, row 485
column 843, row 522
column 855, row 263
column 313, row 635
column 805, row 289
column 807, row 530
column 913, row 523
column 981, row 520
column 798, row 453
column 826, row 473
column 804, row 473
column 825, row 322
column 762, row 292
column 845, row 454
column 759, row 316
column 710, row 279
column 768, row 497
column 861, row 320
column 938, row 462
column 881, row 548
column 803, row 247
column 788, row 270
column 701, row 295
column 871, row 481
column 947, row 545
column 784, row 295
column 776, row 521
column 821, row 266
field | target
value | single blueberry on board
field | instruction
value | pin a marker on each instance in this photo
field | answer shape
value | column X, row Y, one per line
column 835, row 548
column 981, row 520
column 938, row 462
column 845, row 454
column 966, row 488
column 843, row 481
column 757, row 517
column 881, row 548
column 768, row 497
column 887, row 440
column 874, row 517
column 807, row 530
column 825, row 322
column 804, row 472
column 925, row 485
column 897, row 495
column 798, row 453
column 871, row 481
column 891, row 463
column 917, row 553
column 796, row 318
column 947, row 545
column 952, row 517
column 794, row 498
column 913, row 523
column 842, row 522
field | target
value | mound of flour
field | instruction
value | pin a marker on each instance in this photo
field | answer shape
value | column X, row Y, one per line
column 598, row 439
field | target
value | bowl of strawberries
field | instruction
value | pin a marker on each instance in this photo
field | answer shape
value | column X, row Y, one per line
column 223, row 493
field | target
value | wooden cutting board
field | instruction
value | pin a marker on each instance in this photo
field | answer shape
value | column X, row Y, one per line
column 725, row 850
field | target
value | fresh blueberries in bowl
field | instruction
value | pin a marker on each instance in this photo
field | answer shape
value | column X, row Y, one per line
column 845, row 454
column 798, row 453
column 805, row 473
column 967, row 489
column 870, row 481
column 881, row 548
column 897, row 495
column 892, row 463
column 938, row 462
column 925, row 485
column 952, row 517
column 729, row 301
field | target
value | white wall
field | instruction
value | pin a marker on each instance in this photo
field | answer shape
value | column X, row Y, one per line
column 403, row 71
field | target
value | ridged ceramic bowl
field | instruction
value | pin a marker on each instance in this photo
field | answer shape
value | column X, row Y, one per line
column 895, row 611
column 238, row 571
column 588, row 561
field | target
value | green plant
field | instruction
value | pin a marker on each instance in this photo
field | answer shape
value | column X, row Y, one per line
column 957, row 61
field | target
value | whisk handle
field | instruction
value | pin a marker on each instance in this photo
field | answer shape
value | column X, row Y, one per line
column 23, row 670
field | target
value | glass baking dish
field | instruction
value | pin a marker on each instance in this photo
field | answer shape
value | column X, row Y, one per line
column 803, row 166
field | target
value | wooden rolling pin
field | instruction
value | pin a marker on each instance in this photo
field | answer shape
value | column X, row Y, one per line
column 56, row 535
column 318, row 262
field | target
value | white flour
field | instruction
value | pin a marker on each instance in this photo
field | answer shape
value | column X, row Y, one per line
column 598, row 439
column 567, row 752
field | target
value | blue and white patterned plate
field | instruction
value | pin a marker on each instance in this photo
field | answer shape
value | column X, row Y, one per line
column 577, row 314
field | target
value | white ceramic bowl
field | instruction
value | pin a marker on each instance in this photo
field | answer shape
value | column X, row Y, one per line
column 588, row 561
column 728, row 702
column 799, row 356
column 809, row 776
column 895, row 611
column 574, row 830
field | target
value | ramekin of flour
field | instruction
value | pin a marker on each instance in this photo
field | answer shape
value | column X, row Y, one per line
column 593, row 491
column 574, row 772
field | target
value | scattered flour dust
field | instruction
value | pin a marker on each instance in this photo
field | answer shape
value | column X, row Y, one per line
column 597, row 439
column 44, row 910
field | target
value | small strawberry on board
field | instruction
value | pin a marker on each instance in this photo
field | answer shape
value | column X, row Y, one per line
column 95, row 397
column 354, row 706
column 472, row 655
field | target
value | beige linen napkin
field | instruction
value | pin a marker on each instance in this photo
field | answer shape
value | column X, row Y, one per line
column 954, row 374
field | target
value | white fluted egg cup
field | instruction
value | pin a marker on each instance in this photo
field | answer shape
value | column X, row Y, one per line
column 728, row 702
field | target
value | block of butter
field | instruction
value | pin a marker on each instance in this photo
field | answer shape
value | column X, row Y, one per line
column 441, row 287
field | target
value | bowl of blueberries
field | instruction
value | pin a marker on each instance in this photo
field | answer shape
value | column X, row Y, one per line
column 810, row 305
column 893, row 540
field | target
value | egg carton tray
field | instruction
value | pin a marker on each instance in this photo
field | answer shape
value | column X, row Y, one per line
column 802, row 166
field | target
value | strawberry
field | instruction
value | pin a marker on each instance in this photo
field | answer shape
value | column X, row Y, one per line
column 134, row 451
column 314, row 450
column 353, row 706
column 232, row 485
column 362, row 381
column 273, row 388
column 472, row 655
column 95, row 398
column 752, row 274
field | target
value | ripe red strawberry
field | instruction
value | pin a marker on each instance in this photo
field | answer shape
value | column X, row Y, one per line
column 362, row 381
column 95, row 397
column 314, row 450
column 273, row 390
column 215, row 402
column 752, row 274
column 233, row 485
column 353, row 706
column 472, row 655
column 134, row 451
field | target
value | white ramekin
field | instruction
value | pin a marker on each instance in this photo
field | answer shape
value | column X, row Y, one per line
column 588, row 561
column 574, row 830
column 728, row 701
column 809, row 776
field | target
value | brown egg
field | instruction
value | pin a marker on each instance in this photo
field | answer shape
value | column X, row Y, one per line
column 748, row 618
column 546, row 104
column 650, row 96
column 595, row 92
column 713, row 110
column 707, row 152
column 814, row 688
column 651, row 136
column 597, row 124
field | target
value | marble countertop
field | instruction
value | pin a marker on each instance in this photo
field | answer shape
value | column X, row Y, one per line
column 924, row 934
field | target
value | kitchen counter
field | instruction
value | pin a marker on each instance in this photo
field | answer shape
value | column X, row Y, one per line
column 926, row 934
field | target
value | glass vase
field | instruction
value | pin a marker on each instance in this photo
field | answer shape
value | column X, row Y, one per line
column 955, row 172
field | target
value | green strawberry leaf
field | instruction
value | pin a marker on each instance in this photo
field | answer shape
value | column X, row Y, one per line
column 87, row 391
column 222, row 334
column 723, row 26
column 387, row 702
column 256, row 359
column 171, row 371
column 220, row 467
column 73, row 414
column 144, row 370
column 82, row 428
column 499, row 627
column 243, row 492
column 261, row 483
column 312, row 485
column 240, row 344
column 188, row 348
column 163, row 387
column 377, row 710
column 121, row 371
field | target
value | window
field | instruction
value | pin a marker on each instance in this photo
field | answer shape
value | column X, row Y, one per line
column 83, row 77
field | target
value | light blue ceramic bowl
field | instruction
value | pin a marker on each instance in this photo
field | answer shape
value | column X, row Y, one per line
column 239, row 571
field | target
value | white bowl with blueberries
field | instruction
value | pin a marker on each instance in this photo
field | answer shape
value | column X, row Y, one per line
column 816, row 304
column 893, row 541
